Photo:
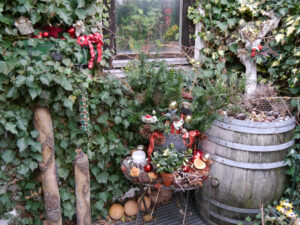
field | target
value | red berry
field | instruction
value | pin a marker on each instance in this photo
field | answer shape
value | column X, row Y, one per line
column 252, row 54
column 185, row 169
column 45, row 34
column 260, row 47
column 148, row 116
column 71, row 30
column 253, row 49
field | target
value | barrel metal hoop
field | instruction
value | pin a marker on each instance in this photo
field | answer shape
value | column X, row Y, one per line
column 250, row 148
column 223, row 218
column 230, row 208
column 252, row 124
column 250, row 130
column 244, row 165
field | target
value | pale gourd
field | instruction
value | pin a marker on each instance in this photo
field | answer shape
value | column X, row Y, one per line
column 131, row 208
column 116, row 211
column 148, row 203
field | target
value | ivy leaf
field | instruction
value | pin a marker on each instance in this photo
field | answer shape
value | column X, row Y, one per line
column 103, row 118
column 102, row 178
column 23, row 170
column 31, row 164
column 6, row 67
column 63, row 173
column 66, row 84
column 35, row 17
column 64, row 15
column 11, row 127
column 69, row 209
column 34, row 133
column 44, row 79
column 22, row 144
column 22, row 124
column 12, row 92
column 68, row 103
column 279, row 37
column 81, row 3
column 233, row 48
column 67, row 61
column 20, row 80
column 118, row 119
column 222, row 25
column 8, row 156
column 35, row 146
column 34, row 92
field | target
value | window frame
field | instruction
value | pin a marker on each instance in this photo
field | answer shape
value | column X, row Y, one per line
column 187, row 41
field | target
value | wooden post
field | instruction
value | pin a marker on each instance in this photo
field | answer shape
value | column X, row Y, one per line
column 43, row 123
column 82, row 181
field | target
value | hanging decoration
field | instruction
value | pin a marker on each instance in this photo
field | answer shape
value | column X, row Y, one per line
column 84, row 113
column 24, row 25
column 89, row 41
column 79, row 28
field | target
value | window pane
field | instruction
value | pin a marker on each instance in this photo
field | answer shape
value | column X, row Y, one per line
column 147, row 25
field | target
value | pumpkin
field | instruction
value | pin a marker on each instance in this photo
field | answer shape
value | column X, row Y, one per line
column 116, row 211
column 147, row 201
column 131, row 208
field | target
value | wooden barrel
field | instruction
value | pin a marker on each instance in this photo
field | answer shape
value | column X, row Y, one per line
column 248, row 168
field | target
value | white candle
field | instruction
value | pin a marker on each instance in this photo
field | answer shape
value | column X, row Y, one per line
column 139, row 157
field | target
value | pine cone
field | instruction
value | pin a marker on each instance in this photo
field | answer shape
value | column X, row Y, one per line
column 265, row 105
column 56, row 56
column 146, row 131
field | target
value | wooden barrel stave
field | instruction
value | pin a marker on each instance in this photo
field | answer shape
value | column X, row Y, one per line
column 249, row 168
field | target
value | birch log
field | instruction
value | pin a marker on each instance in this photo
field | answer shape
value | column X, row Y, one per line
column 199, row 43
column 43, row 123
column 82, row 181
column 249, row 63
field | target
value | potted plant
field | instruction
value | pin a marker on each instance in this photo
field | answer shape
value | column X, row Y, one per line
column 167, row 161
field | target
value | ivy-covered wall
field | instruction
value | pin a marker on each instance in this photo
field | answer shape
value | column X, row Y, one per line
column 26, row 82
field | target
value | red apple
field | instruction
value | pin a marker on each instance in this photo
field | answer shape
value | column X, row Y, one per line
column 148, row 168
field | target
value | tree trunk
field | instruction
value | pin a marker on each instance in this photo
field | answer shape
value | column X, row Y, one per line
column 251, row 74
column 82, row 181
column 43, row 123
column 199, row 44
column 250, row 64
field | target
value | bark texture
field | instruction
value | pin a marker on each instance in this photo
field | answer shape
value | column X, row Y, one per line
column 43, row 123
column 82, row 181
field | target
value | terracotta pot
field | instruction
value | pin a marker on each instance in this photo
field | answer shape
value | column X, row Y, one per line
column 167, row 178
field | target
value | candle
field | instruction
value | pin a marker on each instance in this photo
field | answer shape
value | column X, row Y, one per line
column 140, row 147
column 139, row 157
column 206, row 157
